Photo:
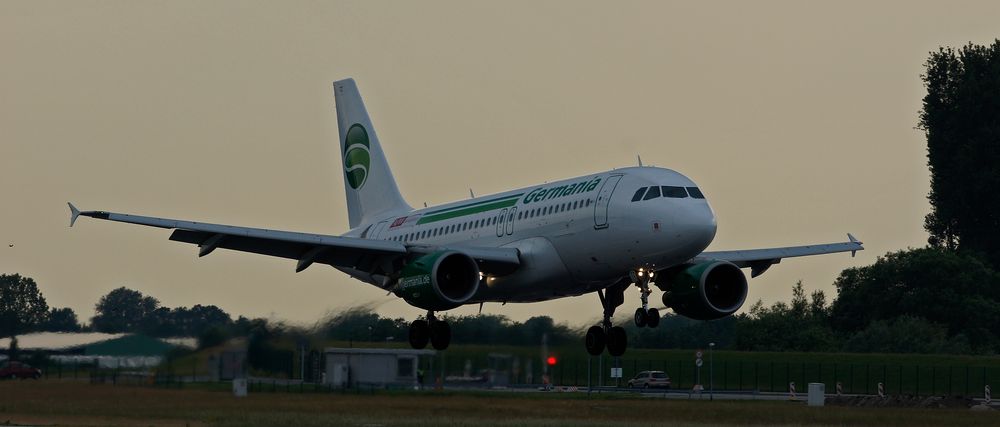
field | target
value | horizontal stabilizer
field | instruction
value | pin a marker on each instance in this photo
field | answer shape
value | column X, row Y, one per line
column 74, row 213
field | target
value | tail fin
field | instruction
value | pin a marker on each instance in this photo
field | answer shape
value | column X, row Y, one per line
column 371, row 190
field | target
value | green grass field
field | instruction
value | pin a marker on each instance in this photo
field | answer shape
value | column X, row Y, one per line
column 69, row 403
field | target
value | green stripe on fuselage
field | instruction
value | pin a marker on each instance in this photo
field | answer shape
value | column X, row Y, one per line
column 474, row 204
column 480, row 207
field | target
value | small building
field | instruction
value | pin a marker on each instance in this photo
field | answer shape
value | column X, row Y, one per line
column 383, row 367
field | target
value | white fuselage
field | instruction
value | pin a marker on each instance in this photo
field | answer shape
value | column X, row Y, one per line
column 574, row 236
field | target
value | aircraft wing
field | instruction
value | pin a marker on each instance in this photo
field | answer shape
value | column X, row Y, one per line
column 759, row 260
column 382, row 257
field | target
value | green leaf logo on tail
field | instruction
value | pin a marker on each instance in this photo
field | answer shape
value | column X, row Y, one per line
column 357, row 157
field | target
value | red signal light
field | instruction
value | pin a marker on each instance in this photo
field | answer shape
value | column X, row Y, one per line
column 551, row 360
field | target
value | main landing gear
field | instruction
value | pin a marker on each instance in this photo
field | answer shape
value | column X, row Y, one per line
column 438, row 332
column 605, row 335
column 614, row 337
column 644, row 316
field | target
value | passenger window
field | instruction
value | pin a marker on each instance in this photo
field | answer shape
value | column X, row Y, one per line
column 638, row 194
column 588, row 202
column 674, row 192
column 695, row 192
column 653, row 193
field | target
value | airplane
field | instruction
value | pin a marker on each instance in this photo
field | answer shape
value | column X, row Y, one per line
column 598, row 233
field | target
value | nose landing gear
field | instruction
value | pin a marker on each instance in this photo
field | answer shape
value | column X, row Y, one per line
column 644, row 316
column 437, row 332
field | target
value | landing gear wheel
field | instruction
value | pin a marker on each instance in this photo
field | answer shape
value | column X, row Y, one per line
column 440, row 334
column 419, row 334
column 641, row 319
column 595, row 340
column 652, row 318
column 617, row 341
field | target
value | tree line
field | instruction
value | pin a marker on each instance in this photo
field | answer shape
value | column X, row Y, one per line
column 23, row 309
column 928, row 300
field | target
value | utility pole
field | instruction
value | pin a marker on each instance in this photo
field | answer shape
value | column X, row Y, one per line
column 711, row 371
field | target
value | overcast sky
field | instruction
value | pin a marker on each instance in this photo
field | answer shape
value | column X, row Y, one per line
column 797, row 119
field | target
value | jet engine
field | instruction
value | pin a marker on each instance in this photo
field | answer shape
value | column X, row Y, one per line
column 439, row 281
column 705, row 291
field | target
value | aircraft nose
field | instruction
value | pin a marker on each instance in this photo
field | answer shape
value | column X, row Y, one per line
column 697, row 226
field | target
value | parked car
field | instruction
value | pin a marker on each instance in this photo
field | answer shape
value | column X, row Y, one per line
column 15, row 370
column 649, row 379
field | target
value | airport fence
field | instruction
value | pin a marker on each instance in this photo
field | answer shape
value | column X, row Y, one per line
column 596, row 372
column 737, row 376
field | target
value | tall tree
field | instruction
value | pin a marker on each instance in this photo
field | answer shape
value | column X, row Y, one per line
column 802, row 325
column 943, row 287
column 22, row 306
column 124, row 310
column 61, row 320
column 959, row 118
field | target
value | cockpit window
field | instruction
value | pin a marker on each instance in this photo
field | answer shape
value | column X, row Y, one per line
column 695, row 192
column 653, row 193
column 638, row 194
column 674, row 192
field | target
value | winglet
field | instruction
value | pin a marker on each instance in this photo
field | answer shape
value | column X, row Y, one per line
column 74, row 213
column 854, row 240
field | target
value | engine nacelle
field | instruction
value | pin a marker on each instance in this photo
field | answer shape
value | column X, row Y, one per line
column 706, row 291
column 439, row 281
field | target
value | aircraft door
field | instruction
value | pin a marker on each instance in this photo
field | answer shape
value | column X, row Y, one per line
column 377, row 231
column 500, row 222
column 510, row 219
column 604, row 200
